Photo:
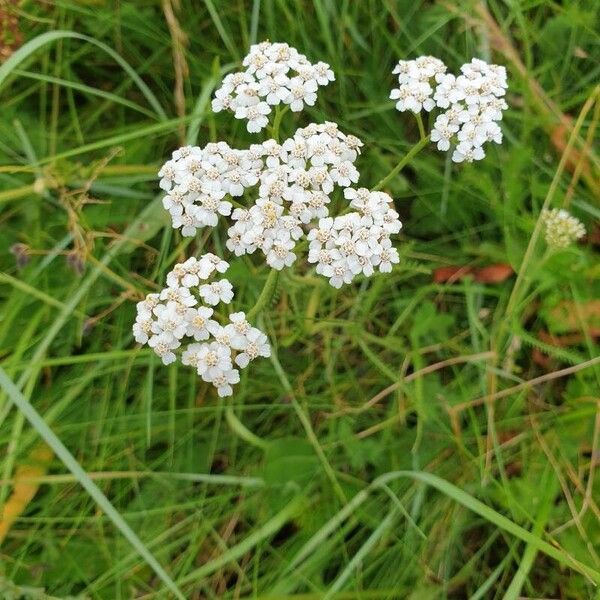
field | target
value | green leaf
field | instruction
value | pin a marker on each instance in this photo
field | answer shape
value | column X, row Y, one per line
column 289, row 461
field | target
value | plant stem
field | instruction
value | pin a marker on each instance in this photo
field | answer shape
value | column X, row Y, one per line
column 405, row 160
column 279, row 112
column 242, row 431
column 420, row 125
column 265, row 295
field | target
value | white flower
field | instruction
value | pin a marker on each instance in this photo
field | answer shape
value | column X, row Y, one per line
column 213, row 360
column 222, row 100
column 300, row 93
column 323, row 73
column 256, row 345
column 199, row 178
column 387, row 256
column 274, row 88
column 443, row 131
column 473, row 102
column 474, row 134
column 224, row 380
column 339, row 272
column 561, row 228
column 415, row 92
column 447, row 91
column 352, row 244
column 345, row 174
column 167, row 176
column 164, row 325
column 163, row 345
column 209, row 263
column 142, row 329
column 199, row 323
column 255, row 115
column 280, row 254
column 218, row 291
column 237, row 330
column 188, row 222
column 146, row 306
column 189, row 357
column 180, row 295
column 464, row 152
column 207, row 213
column 169, row 320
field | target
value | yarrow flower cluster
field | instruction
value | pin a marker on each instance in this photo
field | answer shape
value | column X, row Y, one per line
column 357, row 242
column 561, row 228
column 415, row 83
column 198, row 179
column 294, row 180
column 294, row 189
column 473, row 102
column 275, row 74
column 165, row 320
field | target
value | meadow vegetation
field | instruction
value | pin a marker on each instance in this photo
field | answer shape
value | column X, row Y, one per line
column 428, row 433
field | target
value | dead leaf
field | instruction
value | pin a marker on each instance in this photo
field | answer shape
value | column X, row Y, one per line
column 594, row 236
column 570, row 316
column 494, row 273
column 489, row 274
column 11, row 37
column 25, row 487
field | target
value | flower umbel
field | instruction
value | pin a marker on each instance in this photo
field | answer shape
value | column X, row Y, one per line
column 164, row 321
column 561, row 228
column 294, row 181
column 275, row 74
column 473, row 102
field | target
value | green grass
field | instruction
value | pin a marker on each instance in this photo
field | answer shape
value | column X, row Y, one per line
column 392, row 447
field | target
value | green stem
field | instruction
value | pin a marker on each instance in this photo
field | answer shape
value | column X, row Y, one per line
column 242, row 431
column 420, row 125
column 279, row 112
column 516, row 295
column 405, row 160
column 265, row 295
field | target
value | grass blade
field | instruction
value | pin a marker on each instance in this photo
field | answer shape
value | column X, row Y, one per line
column 38, row 423
column 38, row 42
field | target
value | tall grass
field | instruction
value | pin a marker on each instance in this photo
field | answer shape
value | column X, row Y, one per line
column 411, row 437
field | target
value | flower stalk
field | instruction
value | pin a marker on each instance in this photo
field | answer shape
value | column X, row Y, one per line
column 266, row 294
column 403, row 162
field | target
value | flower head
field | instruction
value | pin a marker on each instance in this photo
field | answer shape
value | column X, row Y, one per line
column 414, row 91
column 275, row 74
column 473, row 102
column 357, row 242
column 166, row 320
column 561, row 228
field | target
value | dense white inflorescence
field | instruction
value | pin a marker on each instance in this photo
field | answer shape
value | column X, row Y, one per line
column 275, row 74
column 416, row 83
column 294, row 189
column 357, row 242
column 168, row 319
column 472, row 102
column 561, row 228
column 294, row 181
